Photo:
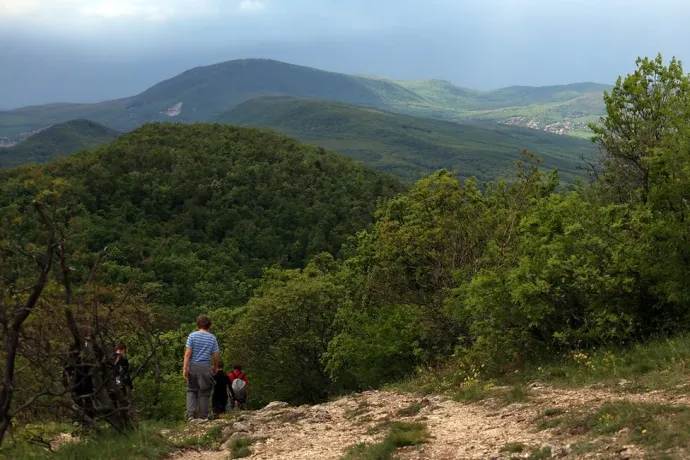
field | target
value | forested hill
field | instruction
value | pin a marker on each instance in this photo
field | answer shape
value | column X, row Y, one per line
column 203, row 93
column 197, row 211
column 410, row 146
column 56, row 141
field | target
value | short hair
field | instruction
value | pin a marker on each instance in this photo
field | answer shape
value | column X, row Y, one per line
column 120, row 346
column 238, row 367
column 203, row 321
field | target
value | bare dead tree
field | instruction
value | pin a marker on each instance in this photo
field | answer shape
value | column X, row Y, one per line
column 57, row 363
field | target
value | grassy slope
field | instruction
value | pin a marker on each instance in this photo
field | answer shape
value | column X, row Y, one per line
column 409, row 146
column 206, row 92
column 56, row 141
column 577, row 103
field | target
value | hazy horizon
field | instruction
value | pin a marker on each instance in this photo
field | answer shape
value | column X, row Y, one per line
column 93, row 50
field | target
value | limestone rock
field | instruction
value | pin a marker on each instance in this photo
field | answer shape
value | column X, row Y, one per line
column 242, row 426
column 275, row 405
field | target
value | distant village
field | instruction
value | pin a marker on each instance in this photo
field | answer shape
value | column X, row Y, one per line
column 559, row 127
column 6, row 141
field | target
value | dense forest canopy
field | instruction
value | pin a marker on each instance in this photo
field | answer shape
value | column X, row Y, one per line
column 199, row 210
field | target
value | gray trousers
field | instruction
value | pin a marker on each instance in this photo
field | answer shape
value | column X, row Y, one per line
column 199, row 388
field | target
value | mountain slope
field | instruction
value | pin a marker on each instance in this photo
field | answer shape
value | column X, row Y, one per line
column 408, row 146
column 199, row 210
column 203, row 93
column 56, row 141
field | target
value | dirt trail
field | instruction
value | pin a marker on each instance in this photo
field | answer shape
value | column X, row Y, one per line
column 458, row 430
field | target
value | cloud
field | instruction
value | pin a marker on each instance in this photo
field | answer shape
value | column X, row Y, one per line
column 80, row 10
column 251, row 6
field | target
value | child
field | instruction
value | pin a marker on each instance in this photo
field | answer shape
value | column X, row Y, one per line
column 239, row 387
column 219, row 400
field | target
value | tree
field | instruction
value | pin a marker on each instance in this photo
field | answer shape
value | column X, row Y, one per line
column 283, row 334
column 20, row 294
column 57, row 332
column 642, row 111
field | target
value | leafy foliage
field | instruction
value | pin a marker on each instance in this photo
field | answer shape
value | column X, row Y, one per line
column 196, row 211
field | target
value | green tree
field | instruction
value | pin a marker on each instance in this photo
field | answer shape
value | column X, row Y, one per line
column 284, row 332
column 642, row 111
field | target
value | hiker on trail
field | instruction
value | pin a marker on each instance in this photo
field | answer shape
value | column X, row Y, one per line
column 202, row 348
column 219, row 400
column 239, row 387
column 123, row 378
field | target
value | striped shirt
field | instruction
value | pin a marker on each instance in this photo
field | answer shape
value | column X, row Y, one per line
column 203, row 345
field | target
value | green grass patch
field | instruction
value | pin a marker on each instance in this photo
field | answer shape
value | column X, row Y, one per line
column 655, row 426
column 354, row 412
column 543, row 452
column 409, row 411
column 553, row 411
column 513, row 447
column 210, row 439
column 400, row 435
column 659, row 364
column 516, row 394
column 143, row 444
column 241, row 447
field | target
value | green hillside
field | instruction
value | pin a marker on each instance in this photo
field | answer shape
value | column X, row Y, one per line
column 198, row 210
column 56, row 141
column 203, row 93
column 409, row 146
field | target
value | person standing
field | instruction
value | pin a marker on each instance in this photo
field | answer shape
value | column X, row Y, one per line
column 201, row 360
column 123, row 378
column 219, row 400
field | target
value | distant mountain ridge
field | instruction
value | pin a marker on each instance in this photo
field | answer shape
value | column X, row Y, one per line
column 203, row 93
column 56, row 141
column 410, row 146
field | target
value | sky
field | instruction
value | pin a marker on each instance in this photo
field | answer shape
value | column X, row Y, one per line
column 92, row 50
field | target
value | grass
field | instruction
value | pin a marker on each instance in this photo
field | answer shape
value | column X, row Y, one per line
column 516, row 394
column 143, row 444
column 657, row 427
column 543, row 452
column 400, row 435
column 409, row 411
column 659, row 364
column 208, row 440
column 240, row 448
column 354, row 412
column 513, row 447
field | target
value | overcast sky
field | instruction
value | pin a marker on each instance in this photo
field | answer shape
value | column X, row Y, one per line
column 89, row 50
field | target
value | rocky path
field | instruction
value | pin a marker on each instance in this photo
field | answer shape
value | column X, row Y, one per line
column 458, row 430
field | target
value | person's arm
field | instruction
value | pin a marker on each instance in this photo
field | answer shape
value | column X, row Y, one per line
column 185, row 365
column 216, row 355
column 216, row 361
column 187, row 357
column 230, row 379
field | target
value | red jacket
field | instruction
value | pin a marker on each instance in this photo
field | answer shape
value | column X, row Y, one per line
column 235, row 374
